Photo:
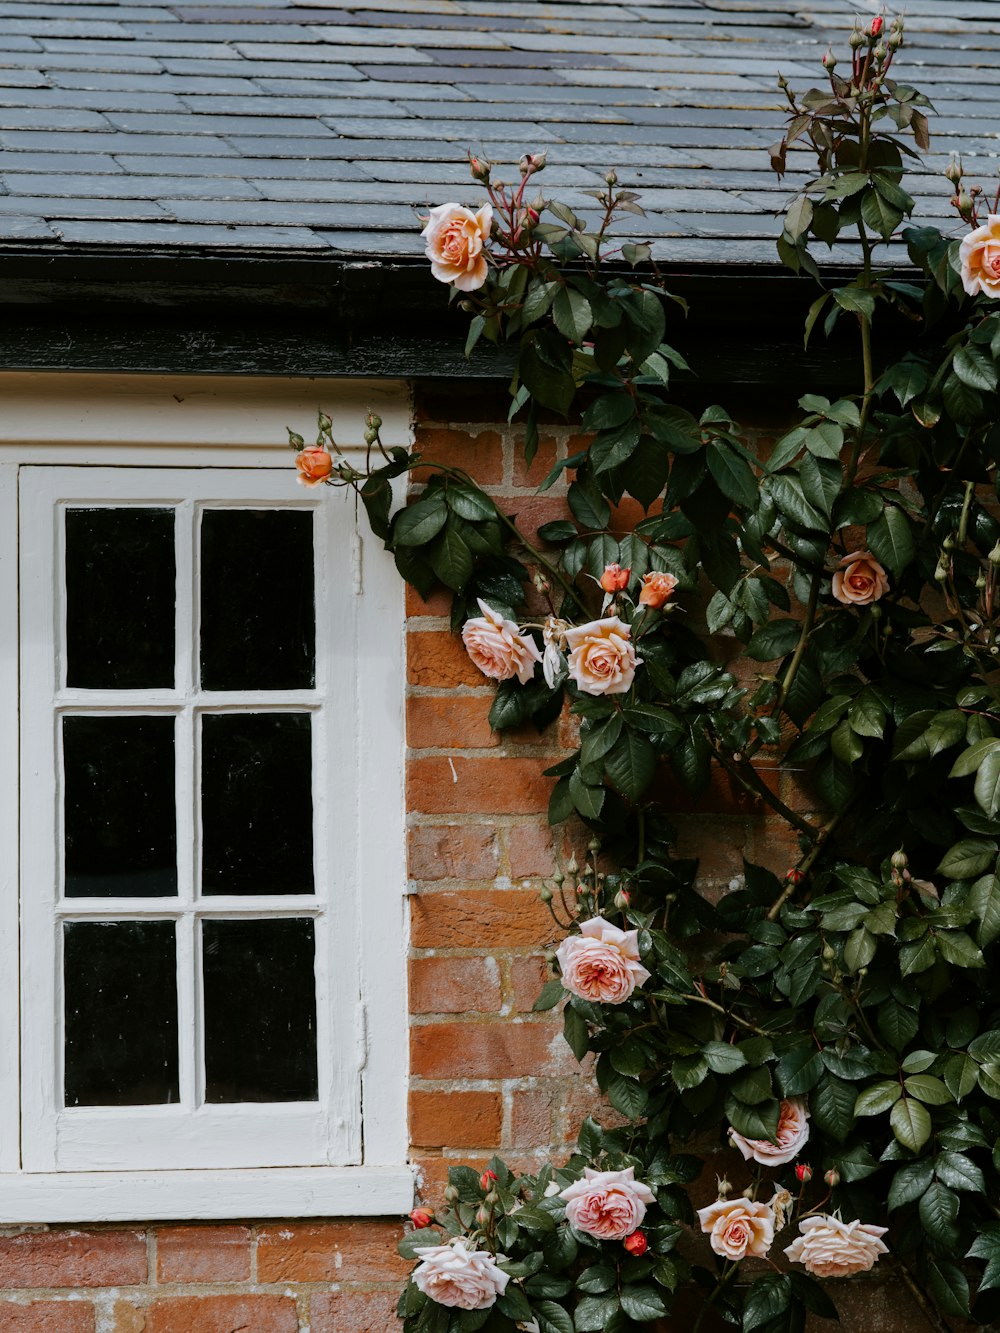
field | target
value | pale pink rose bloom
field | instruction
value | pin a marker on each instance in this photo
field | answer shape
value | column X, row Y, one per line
column 859, row 580
column 497, row 646
column 602, row 656
column 793, row 1132
column 979, row 254
column 738, row 1227
column 455, row 1275
column 831, row 1248
column 656, row 589
column 601, row 964
column 455, row 239
column 314, row 465
column 607, row 1204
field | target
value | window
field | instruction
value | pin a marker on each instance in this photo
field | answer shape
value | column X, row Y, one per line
column 210, row 957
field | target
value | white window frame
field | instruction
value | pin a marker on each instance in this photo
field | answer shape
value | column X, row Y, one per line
column 347, row 1156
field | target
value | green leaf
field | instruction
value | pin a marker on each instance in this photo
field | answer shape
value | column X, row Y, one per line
column 859, row 949
column 890, row 539
column 949, row 1287
column 593, row 1312
column 909, row 1182
column 587, row 800
column 588, row 505
column 878, row 1097
column 420, row 523
column 866, row 714
column 960, row 1075
column 857, row 300
column 642, row 1304
column 938, row 1210
column 987, row 787
column 958, row 949
column 627, row 1095
column 576, row 1032
column 551, row 1318
column 812, row 1296
column 469, row 502
column 911, row 1123
column 968, row 858
column 732, row 475
column 451, row 559
column 773, row 640
column 799, row 1071
column 631, row 764
column 959, row 1173
column 984, row 900
column 880, row 215
column 969, row 760
column 754, row 1122
column 551, row 993
column 608, row 412
column 798, row 217
column 832, row 1105
column 766, row 1298
column 723, row 1058
column 927, row 1089
column 597, row 1279
column 572, row 314
column 975, row 367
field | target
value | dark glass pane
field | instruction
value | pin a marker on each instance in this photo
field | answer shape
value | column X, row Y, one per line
column 121, row 1013
column 256, row 800
column 260, row 1011
column 258, row 616
column 120, row 822
column 119, row 598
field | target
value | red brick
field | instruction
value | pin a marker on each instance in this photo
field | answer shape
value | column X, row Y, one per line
column 354, row 1312
column 436, row 603
column 128, row 1318
column 492, row 785
column 527, row 977
column 455, row 1119
column 47, row 1317
column 717, row 841
column 541, row 465
column 222, row 1314
column 454, row 985
column 531, row 1116
column 478, row 917
column 480, row 455
column 330, row 1252
column 453, row 722
column 453, row 851
column 531, row 512
column 437, row 657
column 202, row 1254
column 530, row 849
column 72, row 1259
column 488, row 1050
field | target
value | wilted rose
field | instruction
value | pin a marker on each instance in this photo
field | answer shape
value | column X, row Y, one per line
column 601, row 964
column 497, row 646
column 455, row 239
column 738, row 1227
column 791, row 1137
column 859, row 580
column 607, row 1204
column 979, row 254
column 614, row 578
column 602, row 656
column 455, row 1275
column 656, row 589
column 828, row 1247
column 314, row 465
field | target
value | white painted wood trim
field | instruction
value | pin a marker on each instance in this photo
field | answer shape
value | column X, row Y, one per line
column 10, row 1156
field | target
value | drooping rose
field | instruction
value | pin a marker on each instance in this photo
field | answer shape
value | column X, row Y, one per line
column 602, row 656
column 859, row 580
column 455, row 238
column 601, row 964
column 314, row 465
column 454, row 1275
column 656, row 589
column 738, row 1227
column 614, row 578
column 828, row 1247
column 793, row 1132
column 497, row 646
column 607, row 1204
column 979, row 254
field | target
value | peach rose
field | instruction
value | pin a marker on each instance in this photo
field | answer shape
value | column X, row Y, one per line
column 314, row 465
column 828, row 1247
column 656, row 589
column 497, row 646
column 601, row 964
column 738, row 1227
column 614, row 578
column 607, row 1204
column 602, row 657
column 455, row 240
column 455, row 1275
column 979, row 254
column 859, row 580
column 793, row 1132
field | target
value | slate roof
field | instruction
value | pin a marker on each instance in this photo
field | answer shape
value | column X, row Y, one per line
column 313, row 126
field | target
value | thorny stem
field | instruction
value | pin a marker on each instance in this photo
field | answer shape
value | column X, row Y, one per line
column 805, row 865
column 728, row 1013
column 800, row 648
column 748, row 777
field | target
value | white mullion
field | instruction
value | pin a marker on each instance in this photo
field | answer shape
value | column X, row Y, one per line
column 10, row 955
column 186, row 798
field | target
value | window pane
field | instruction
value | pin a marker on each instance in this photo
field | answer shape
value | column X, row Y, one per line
column 258, row 617
column 121, row 1013
column 120, row 598
column 257, row 803
column 260, row 1011
column 120, row 823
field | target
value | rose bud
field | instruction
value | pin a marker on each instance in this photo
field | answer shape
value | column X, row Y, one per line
column 622, row 899
column 614, row 578
column 794, row 875
column 803, row 1173
column 877, row 25
column 483, row 1216
column 832, row 1178
column 421, row 1218
column 636, row 1244
column 451, row 1194
column 487, row 1179
column 657, row 588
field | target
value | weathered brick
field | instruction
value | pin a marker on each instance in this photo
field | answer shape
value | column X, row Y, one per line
column 354, row 1312
column 488, row 1050
column 490, row 785
column 454, row 985
column 449, row 723
column 469, row 920
column 453, row 851
column 47, row 1317
column 527, row 977
column 222, row 1314
column 72, row 1259
column 541, row 465
column 533, row 511
column 128, row 1318
column 480, row 455
column 436, row 603
column 438, row 658
column 202, row 1254
column 455, row 1119
column 330, row 1252
column 531, row 851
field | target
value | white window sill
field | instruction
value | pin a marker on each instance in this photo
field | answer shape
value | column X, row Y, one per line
column 143, row 1196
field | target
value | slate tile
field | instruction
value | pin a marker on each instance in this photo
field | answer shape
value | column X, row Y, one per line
column 250, row 69
column 317, row 50
column 152, row 83
column 61, row 185
column 240, row 167
column 383, row 217
column 49, row 118
column 111, row 209
column 89, row 99
column 22, row 78
column 431, row 73
column 199, row 123
column 389, row 84
column 174, row 234
column 92, row 164
column 464, row 131
column 118, row 62
column 199, row 145
column 14, row 227
column 264, row 103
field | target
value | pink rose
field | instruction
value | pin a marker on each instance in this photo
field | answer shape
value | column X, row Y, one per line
column 455, row 240
column 831, row 1248
column 614, row 578
column 607, row 1204
column 793, row 1131
column 602, row 656
column 656, row 589
column 859, row 580
column 738, row 1227
column 601, row 963
column 314, row 465
column 454, row 1275
column 498, row 647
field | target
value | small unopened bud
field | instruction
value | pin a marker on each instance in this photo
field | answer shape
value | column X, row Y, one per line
column 558, row 878
column 941, row 573
column 545, row 893
column 953, row 171
column 482, row 1216
column 371, row 436
column 829, row 952
column 965, row 203
column 794, row 875
column 572, row 868
column 832, row 1178
column 980, row 580
column 480, row 169
column 830, row 61
column 532, row 162
column 594, row 845
column 324, row 422
column 451, row 1194
column 722, row 1186
column 900, row 860
column 949, row 543
column 295, row 440
column 878, row 23
column 487, row 1179
column 612, row 177
column 421, row 1218
column 994, row 555
column 895, row 40
column 803, row 1173
column 373, row 421
column 531, row 217
column 622, row 899
column 880, row 52
column 493, row 1198
column 614, row 578
column 636, row 1244
column 541, row 582
column 857, row 39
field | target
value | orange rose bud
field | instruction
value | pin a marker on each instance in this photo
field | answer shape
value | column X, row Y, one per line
column 636, row 1244
column 656, row 589
column 314, row 465
column 614, row 578
column 803, row 1173
column 421, row 1218
column 487, row 1179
